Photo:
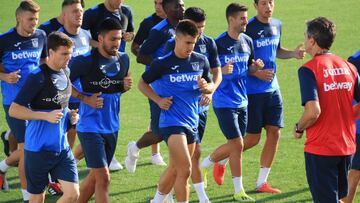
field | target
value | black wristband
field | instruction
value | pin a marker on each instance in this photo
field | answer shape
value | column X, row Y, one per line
column 297, row 130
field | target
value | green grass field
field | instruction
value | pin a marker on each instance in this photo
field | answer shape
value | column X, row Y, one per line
column 288, row 171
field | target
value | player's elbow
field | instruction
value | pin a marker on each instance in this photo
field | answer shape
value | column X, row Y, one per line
column 13, row 110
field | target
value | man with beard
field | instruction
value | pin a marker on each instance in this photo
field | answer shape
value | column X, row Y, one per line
column 103, row 75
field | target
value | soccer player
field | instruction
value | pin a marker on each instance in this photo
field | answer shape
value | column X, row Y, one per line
column 265, row 103
column 182, row 76
column 140, row 37
column 354, row 173
column 206, row 46
column 236, row 53
column 109, row 9
column 328, row 85
column 21, row 49
column 43, row 101
column 152, row 48
column 103, row 75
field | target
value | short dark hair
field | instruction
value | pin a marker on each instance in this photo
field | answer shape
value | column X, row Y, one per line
column 195, row 14
column 322, row 30
column 187, row 27
column 256, row 1
column 167, row 2
column 27, row 5
column 233, row 8
column 58, row 39
column 71, row 2
column 108, row 25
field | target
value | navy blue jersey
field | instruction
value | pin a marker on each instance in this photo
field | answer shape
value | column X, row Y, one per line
column 99, row 74
column 145, row 27
column 266, row 38
column 93, row 17
column 159, row 35
column 355, row 59
column 206, row 46
column 20, row 53
column 81, row 46
column 50, row 26
column 46, row 90
column 231, row 92
column 178, row 78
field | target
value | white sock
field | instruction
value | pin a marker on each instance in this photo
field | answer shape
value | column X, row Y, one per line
column 207, row 162
column 169, row 197
column 200, row 191
column 184, row 202
column 263, row 175
column 159, row 197
column 238, row 184
column 224, row 161
column 7, row 135
column 136, row 148
column 3, row 166
column 25, row 194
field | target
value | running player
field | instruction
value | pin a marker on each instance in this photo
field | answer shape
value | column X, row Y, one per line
column 182, row 76
column 103, row 75
column 43, row 101
column 21, row 49
column 236, row 53
column 141, row 35
column 152, row 48
column 206, row 46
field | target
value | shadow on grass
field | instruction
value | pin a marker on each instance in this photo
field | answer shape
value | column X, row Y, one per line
column 152, row 187
column 272, row 198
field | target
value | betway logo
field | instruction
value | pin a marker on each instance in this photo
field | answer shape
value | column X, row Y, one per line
column 267, row 42
column 236, row 59
column 183, row 78
column 25, row 55
column 338, row 86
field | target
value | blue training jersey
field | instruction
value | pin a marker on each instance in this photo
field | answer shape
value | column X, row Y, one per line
column 266, row 38
column 81, row 46
column 178, row 78
column 355, row 59
column 231, row 92
column 145, row 27
column 206, row 46
column 94, row 16
column 50, row 26
column 20, row 53
column 46, row 90
column 104, row 74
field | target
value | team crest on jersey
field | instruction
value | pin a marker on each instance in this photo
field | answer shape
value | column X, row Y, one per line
column 83, row 40
column 172, row 31
column 202, row 48
column 195, row 66
column 35, row 42
column 274, row 30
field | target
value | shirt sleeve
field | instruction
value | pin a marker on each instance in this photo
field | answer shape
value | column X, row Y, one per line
column 357, row 89
column 308, row 86
column 169, row 46
column 89, row 15
column 153, row 73
column 152, row 43
column 214, row 60
column 44, row 53
column 206, row 71
column 130, row 27
column 79, row 66
column 252, row 52
column 33, row 84
column 142, row 33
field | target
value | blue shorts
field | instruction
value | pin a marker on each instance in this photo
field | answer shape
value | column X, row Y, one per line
column 61, row 166
column 232, row 121
column 191, row 134
column 265, row 109
column 327, row 177
column 154, row 117
column 98, row 148
column 355, row 162
column 72, row 106
column 16, row 126
column 202, row 125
